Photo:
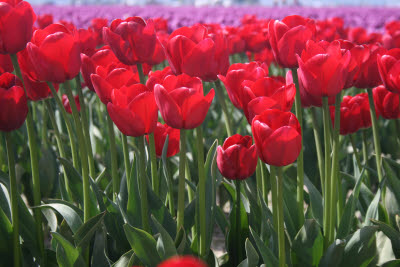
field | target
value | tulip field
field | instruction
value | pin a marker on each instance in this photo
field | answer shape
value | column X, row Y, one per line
column 143, row 137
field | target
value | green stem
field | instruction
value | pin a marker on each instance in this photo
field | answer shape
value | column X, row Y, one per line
column 125, row 150
column 60, row 146
column 83, row 153
column 190, row 194
column 281, row 224
column 113, row 152
column 34, row 155
column 327, row 190
column 181, row 182
column 171, row 201
column 365, row 156
column 153, row 160
column 335, row 168
column 14, row 201
column 259, row 180
column 141, row 74
column 356, row 155
column 318, row 146
column 274, row 196
column 375, row 132
column 237, row 221
column 221, row 100
column 143, row 185
column 300, row 159
column 68, row 124
column 202, row 190
column 265, row 176
column 85, row 124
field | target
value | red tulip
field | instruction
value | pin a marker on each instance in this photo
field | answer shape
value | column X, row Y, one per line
column 264, row 56
column 277, row 136
column 44, row 20
column 6, row 64
column 181, row 101
column 386, row 103
column 235, row 42
column 16, row 20
column 255, row 37
column 323, row 69
column 132, row 40
column 237, row 157
column 389, row 69
column 182, row 261
column 35, row 89
column 368, row 75
column 158, row 76
column 159, row 54
column 55, row 54
column 238, row 76
column 133, row 110
column 193, row 51
column 289, row 37
column 67, row 106
column 160, row 135
column 97, row 25
column 87, row 41
column 13, row 103
column 354, row 113
column 160, row 24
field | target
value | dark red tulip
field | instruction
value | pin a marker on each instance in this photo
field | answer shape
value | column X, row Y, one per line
column 160, row 135
column 277, row 136
column 195, row 52
column 87, row 41
column 182, row 261
column 389, row 69
column 237, row 157
column 13, row 103
column 323, row 69
column 181, row 101
column 16, row 20
column 159, row 53
column 255, row 36
column 158, row 76
column 67, row 106
column 386, row 103
column 239, row 75
column 289, row 37
column 235, row 42
column 132, row 40
column 354, row 113
column 264, row 56
column 35, row 89
column 55, row 53
column 368, row 74
column 97, row 25
column 133, row 110
column 6, row 64
column 44, row 20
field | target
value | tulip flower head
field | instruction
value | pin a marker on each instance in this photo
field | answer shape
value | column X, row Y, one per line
column 160, row 135
column 386, row 103
column 389, row 70
column 182, row 261
column 67, row 105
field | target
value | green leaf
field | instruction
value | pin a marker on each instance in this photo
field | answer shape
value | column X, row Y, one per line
column 48, row 172
column 334, row 254
column 392, row 234
column 75, row 180
column 268, row 257
column 85, row 233
column 165, row 244
column 348, row 214
column 393, row 263
column 315, row 200
column 99, row 257
column 252, row 256
column 124, row 260
column 308, row 245
column 360, row 249
column 70, row 255
column 70, row 216
column 144, row 245
column 373, row 209
column 5, row 239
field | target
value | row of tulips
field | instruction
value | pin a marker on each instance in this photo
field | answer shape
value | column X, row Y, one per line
column 141, row 205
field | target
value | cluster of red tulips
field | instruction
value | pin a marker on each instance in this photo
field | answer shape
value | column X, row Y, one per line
column 315, row 65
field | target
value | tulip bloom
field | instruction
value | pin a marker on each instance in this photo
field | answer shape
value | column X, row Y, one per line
column 386, row 103
column 237, row 157
column 55, row 53
column 389, row 70
column 160, row 135
column 133, row 110
column 158, row 76
column 354, row 113
column 193, row 51
column 16, row 20
column 323, row 69
column 255, row 37
column 13, row 103
column 182, row 261
column 132, row 40
column 6, row 64
column 44, row 20
column 277, row 136
column 289, row 37
column 239, row 75
column 67, row 106
column 181, row 101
